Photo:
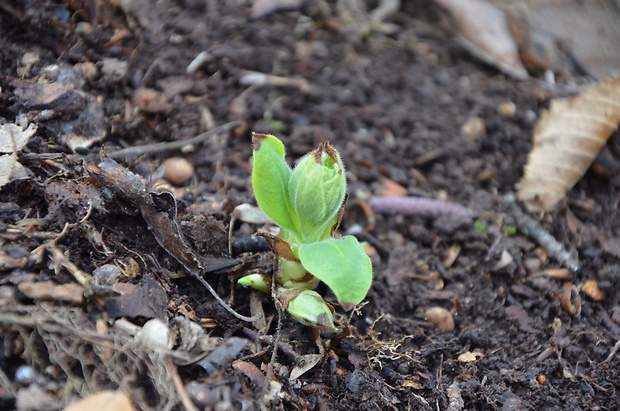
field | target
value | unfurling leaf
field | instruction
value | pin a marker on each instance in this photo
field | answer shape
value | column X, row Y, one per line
column 342, row 264
column 567, row 138
column 270, row 178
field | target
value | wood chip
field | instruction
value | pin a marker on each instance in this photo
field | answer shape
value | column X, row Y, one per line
column 46, row 291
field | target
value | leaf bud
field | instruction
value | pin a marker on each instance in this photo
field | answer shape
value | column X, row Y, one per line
column 260, row 282
column 307, row 307
column 317, row 190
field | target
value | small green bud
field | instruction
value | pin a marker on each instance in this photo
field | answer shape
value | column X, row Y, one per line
column 260, row 282
column 317, row 190
column 308, row 308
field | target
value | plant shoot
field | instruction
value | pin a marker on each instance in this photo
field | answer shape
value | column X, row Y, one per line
column 307, row 203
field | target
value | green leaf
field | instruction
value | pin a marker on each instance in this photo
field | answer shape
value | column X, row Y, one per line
column 342, row 264
column 270, row 177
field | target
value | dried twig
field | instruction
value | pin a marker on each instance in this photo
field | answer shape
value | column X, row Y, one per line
column 178, row 385
column 5, row 382
column 135, row 151
column 163, row 225
column 274, row 345
column 221, row 302
column 59, row 258
column 613, row 352
column 532, row 228
column 172, row 145
column 283, row 346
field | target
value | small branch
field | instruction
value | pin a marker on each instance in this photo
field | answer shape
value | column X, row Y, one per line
column 222, row 303
column 533, row 229
column 276, row 341
column 58, row 257
column 178, row 385
column 282, row 346
column 613, row 351
column 135, row 151
column 172, row 145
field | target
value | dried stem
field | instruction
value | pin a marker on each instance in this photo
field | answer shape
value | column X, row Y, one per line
column 533, row 229
column 178, row 385
column 222, row 303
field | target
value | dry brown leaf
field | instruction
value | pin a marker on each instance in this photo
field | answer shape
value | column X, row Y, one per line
column 12, row 140
column 567, row 138
column 310, row 361
column 103, row 401
column 484, row 31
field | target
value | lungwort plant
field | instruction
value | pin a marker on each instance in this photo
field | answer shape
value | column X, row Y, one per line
column 307, row 203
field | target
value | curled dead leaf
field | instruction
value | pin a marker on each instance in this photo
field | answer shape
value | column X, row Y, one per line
column 567, row 138
column 570, row 300
column 251, row 371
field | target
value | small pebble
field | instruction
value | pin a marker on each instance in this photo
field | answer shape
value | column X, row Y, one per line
column 530, row 116
column 24, row 374
column 474, row 128
column 87, row 70
column 30, row 58
column 507, row 109
column 532, row 265
column 440, row 317
column 150, row 101
column 178, row 170
column 592, row 290
column 107, row 274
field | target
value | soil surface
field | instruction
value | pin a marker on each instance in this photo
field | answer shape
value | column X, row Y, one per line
column 90, row 254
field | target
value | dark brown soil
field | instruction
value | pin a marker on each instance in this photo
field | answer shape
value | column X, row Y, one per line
column 393, row 104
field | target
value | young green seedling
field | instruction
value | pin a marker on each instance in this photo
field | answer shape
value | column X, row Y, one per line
column 307, row 203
